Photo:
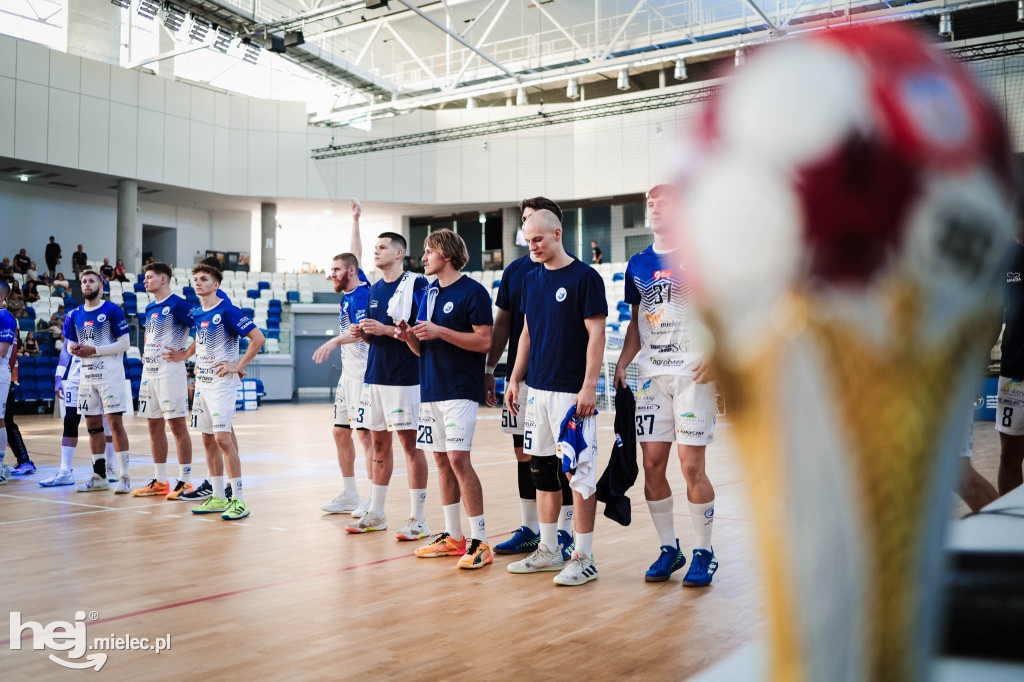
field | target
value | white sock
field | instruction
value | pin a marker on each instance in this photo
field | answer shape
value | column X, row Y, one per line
column 3, row 445
column 122, row 458
column 664, row 523
column 529, row 511
column 549, row 536
column 378, row 495
column 565, row 518
column 67, row 455
column 453, row 519
column 350, row 486
column 585, row 543
column 702, row 516
column 161, row 471
column 418, row 500
column 185, row 473
column 108, row 451
column 477, row 528
column 236, row 488
column 217, row 483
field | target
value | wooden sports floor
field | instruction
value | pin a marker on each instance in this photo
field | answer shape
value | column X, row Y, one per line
column 287, row 593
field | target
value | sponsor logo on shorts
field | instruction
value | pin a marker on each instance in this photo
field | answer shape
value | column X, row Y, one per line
column 88, row 375
column 691, row 433
column 644, row 388
column 560, row 294
column 448, row 307
column 648, row 407
column 530, row 401
column 451, row 425
column 426, row 420
column 688, row 415
column 398, row 411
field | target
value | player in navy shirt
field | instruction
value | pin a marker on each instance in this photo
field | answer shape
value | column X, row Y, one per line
column 1010, row 398
column 218, row 325
column 97, row 333
column 163, row 394
column 350, row 282
column 390, row 400
column 451, row 336
column 560, row 355
column 508, row 326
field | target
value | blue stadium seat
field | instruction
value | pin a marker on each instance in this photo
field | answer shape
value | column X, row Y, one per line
column 29, row 393
column 44, row 389
column 613, row 327
column 622, row 306
column 139, row 286
column 106, row 287
column 260, row 391
column 31, row 312
column 273, row 305
column 140, row 278
column 188, row 291
column 25, row 363
column 26, row 325
column 44, row 338
column 262, row 285
column 69, row 303
column 495, row 284
column 248, row 312
column 252, row 293
column 45, row 349
column 293, row 296
column 618, row 277
column 624, row 317
column 272, row 333
column 273, row 324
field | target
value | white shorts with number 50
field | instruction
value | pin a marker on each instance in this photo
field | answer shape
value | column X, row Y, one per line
column 514, row 423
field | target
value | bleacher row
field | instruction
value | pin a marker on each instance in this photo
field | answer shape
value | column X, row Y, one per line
column 614, row 278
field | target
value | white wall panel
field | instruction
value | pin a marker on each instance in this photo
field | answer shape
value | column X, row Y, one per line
column 221, row 160
column 176, row 151
column 151, row 146
column 223, row 104
column 405, row 174
column 123, row 154
column 65, row 71
column 200, row 161
column 7, row 106
column 238, row 160
column 62, row 135
column 291, row 164
column 151, row 92
column 204, row 105
column 291, row 117
column 33, row 63
column 177, row 98
column 377, row 172
column 262, row 114
column 350, row 177
column 124, row 86
column 95, row 79
column 239, row 111
column 94, row 120
column 262, row 163
column 8, row 57
column 448, row 161
column 30, row 116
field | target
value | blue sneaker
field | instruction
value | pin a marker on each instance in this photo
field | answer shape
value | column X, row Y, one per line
column 670, row 561
column 702, row 567
column 566, row 544
column 24, row 469
column 523, row 541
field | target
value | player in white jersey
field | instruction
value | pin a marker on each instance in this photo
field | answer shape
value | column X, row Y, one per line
column 65, row 380
column 675, row 398
column 163, row 395
column 218, row 326
column 8, row 340
column 97, row 333
column 349, row 282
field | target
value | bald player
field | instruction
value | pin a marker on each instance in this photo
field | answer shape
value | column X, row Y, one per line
column 560, row 354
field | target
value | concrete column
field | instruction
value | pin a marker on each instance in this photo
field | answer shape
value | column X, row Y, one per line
column 618, row 236
column 268, row 237
column 129, row 239
column 510, row 224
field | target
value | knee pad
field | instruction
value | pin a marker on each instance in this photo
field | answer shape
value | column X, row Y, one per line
column 545, row 473
column 93, row 432
column 566, row 490
column 71, row 422
column 527, row 490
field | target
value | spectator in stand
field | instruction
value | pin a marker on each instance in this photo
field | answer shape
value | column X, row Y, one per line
column 21, row 262
column 196, row 258
column 60, row 287
column 107, row 270
column 595, row 253
column 52, row 256
column 43, row 324
column 16, row 302
column 79, row 261
column 29, row 346
column 119, row 271
column 31, row 274
column 31, row 293
column 56, row 323
column 6, row 271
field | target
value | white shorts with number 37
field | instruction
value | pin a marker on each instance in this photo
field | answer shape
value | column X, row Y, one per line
column 1010, row 407
column 447, row 425
column 675, row 409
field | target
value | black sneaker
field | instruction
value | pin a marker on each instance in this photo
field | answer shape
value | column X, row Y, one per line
column 201, row 493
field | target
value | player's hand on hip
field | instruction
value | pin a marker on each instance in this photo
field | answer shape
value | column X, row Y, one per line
column 173, row 354
column 427, row 331
column 702, row 372
column 372, row 327
column 620, row 377
column 586, row 402
column 512, row 397
column 489, row 395
column 225, row 368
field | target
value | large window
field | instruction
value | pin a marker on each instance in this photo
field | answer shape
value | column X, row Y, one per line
column 40, row 21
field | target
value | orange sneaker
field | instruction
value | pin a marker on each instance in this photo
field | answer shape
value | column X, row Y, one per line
column 154, row 488
column 180, row 488
column 477, row 556
column 443, row 545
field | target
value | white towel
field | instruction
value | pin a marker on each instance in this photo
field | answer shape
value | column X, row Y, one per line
column 577, row 448
column 400, row 305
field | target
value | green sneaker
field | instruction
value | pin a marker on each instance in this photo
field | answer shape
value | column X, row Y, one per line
column 212, row 505
column 236, row 510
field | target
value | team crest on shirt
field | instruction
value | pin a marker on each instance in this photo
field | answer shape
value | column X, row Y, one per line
column 166, row 310
column 560, row 294
column 216, row 319
column 102, row 317
column 448, row 307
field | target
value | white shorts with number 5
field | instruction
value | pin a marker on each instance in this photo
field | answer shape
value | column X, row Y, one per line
column 675, row 409
column 545, row 411
column 514, row 423
column 1010, row 407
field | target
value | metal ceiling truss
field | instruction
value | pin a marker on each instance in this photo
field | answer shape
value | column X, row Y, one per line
column 573, row 115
